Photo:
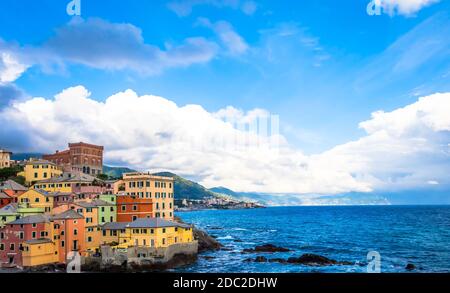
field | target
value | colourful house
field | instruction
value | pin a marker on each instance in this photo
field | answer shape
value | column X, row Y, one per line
column 12, row 188
column 72, row 182
column 38, row 170
column 111, row 232
column 69, row 233
column 16, row 233
column 38, row 252
column 37, row 199
column 154, row 232
column 5, row 199
column 16, row 211
column 111, row 198
column 106, row 211
column 92, row 229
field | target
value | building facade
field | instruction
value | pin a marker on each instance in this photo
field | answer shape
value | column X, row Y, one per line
column 80, row 157
column 146, row 188
column 38, row 170
column 5, row 158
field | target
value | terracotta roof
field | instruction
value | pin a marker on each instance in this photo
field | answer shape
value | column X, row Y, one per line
column 4, row 195
column 40, row 162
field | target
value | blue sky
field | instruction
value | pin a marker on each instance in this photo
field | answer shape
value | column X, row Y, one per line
column 323, row 66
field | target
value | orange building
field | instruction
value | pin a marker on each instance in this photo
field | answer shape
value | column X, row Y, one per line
column 69, row 233
column 141, row 189
column 132, row 207
column 92, row 233
column 80, row 157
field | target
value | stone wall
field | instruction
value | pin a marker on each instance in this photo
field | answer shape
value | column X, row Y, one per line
column 136, row 258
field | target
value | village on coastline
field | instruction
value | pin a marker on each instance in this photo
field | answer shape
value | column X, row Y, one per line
column 66, row 213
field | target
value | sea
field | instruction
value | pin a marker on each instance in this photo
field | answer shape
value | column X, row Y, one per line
column 371, row 237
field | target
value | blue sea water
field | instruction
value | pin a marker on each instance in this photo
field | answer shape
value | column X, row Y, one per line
column 400, row 234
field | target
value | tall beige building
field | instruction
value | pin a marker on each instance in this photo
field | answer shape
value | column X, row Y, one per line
column 145, row 186
column 5, row 159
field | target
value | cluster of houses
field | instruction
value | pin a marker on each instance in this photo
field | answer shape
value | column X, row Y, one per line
column 65, row 209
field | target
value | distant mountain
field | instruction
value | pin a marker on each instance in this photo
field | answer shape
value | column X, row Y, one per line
column 25, row 156
column 186, row 189
column 305, row 200
column 116, row 172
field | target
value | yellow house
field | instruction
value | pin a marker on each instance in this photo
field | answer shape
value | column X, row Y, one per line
column 38, row 170
column 154, row 232
column 39, row 252
column 37, row 199
column 71, row 182
column 111, row 232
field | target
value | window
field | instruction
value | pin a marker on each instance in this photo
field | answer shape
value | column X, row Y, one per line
column 75, row 232
column 43, row 234
column 35, row 175
column 134, row 218
column 164, row 230
column 33, row 235
column 2, row 246
column 124, row 208
column 103, row 209
column 134, row 208
column 112, row 209
column 36, row 199
column 62, row 243
column 103, row 219
column 45, row 174
column 164, row 241
column 2, row 235
column 89, row 239
column 12, row 247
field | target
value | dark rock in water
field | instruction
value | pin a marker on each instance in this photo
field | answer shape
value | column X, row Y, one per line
column 208, row 257
column 261, row 259
column 279, row 260
column 269, row 248
column 410, row 267
column 316, row 260
column 238, row 240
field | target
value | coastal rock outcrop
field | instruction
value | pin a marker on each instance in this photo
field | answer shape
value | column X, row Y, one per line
column 410, row 267
column 269, row 248
column 305, row 259
column 206, row 242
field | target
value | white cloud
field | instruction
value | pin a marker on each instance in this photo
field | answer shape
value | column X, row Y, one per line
column 402, row 149
column 86, row 41
column 405, row 7
column 234, row 43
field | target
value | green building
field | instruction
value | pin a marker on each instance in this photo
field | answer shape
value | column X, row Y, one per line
column 107, row 211
column 15, row 211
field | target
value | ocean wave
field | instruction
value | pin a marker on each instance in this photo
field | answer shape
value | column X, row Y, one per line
column 228, row 237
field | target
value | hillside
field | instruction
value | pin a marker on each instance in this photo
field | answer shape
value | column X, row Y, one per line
column 116, row 172
column 186, row 189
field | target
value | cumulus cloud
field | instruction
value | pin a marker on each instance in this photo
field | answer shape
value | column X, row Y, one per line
column 405, row 7
column 234, row 43
column 184, row 7
column 405, row 148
